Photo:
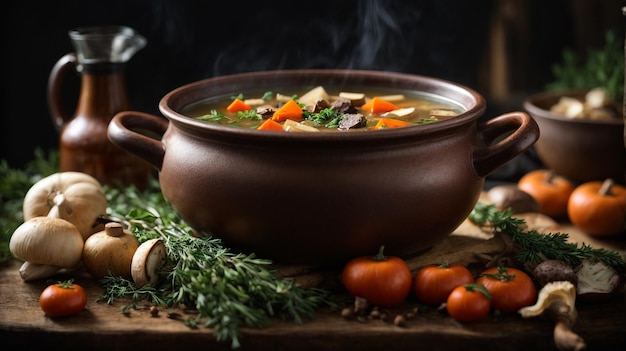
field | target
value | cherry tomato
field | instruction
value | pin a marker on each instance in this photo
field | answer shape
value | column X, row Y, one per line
column 433, row 283
column 550, row 190
column 598, row 208
column 468, row 303
column 63, row 299
column 384, row 281
column 510, row 288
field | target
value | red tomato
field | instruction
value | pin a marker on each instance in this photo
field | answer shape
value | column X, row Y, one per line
column 510, row 288
column 383, row 281
column 433, row 283
column 63, row 299
column 468, row 303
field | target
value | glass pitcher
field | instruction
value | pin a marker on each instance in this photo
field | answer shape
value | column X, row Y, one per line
column 99, row 58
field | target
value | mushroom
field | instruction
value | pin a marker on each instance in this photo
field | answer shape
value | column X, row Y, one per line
column 597, row 281
column 74, row 196
column 557, row 300
column 510, row 197
column 147, row 260
column 47, row 245
column 554, row 270
column 110, row 252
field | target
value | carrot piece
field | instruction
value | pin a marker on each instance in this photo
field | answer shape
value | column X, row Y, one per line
column 290, row 110
column 269, row 124
column 384, row 123
column 378, row 105
column 238, row 105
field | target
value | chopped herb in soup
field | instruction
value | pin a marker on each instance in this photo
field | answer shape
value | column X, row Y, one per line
column 317, row 110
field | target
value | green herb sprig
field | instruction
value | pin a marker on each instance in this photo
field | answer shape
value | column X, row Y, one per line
column 602, row 67
column 14, row 183
column 535, row 247
column 226, row 290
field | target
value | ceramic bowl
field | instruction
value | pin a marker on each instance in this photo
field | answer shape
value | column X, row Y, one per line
column 322, row 198
column 579, row 149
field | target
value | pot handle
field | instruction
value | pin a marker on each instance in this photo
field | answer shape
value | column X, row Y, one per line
column 506, row 136
column 123, row 131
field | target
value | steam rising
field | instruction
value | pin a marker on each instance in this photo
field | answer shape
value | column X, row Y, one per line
column 357, row 35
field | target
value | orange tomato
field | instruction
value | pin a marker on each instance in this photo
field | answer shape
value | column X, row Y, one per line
column 468, row 303
column 62, row 299
column 510, row 288
column 433, row 283
column 550, row 190
column 598, row 208
column 384, row 281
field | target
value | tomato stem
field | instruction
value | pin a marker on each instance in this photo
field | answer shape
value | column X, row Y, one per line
column 501, row 275
column 549, row 176
column 605, row 189
column 380, row 256
column 480, row 288
column 67, row 284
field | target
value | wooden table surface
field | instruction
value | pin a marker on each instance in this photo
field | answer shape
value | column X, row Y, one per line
column 104, row 327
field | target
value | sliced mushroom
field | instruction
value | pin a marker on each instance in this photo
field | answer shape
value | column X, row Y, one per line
column 597, row 281
column 147, row 261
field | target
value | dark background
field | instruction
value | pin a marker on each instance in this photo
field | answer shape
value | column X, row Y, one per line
column 503, row 49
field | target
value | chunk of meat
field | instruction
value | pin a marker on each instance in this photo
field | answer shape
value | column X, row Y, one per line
column 266, row 111
column 352, row 121
column 343, row 105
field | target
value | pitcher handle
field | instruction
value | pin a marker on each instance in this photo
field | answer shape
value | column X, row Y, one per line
column 55, row 84
column 122, row 131
column 506, row 137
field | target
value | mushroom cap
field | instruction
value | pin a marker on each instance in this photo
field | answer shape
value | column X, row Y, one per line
column 75, row 196
column 49, row 241
column 110, row 252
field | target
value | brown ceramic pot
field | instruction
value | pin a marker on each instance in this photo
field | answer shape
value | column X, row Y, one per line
column 322, row 198
column 581, row 150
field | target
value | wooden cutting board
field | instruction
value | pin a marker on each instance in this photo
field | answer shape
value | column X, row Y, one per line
column 104, row 327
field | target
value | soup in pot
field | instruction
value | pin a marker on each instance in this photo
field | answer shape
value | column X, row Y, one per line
column 320, row 110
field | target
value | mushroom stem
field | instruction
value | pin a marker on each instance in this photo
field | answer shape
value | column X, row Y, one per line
column 59, row 203
column 33, row 271
column 564, row 337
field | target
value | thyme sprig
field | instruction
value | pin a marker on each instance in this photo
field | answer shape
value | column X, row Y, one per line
column 535, row 247
column 226, row 290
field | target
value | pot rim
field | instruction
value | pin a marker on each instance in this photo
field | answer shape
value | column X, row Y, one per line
column 471, row 101
column 533, row 104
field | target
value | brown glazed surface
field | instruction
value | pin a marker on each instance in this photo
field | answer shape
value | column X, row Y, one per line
column 323, row 198
column 581, row 150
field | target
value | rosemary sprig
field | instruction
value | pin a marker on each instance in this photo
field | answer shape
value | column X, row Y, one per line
column 226, row 290
column 535, row 247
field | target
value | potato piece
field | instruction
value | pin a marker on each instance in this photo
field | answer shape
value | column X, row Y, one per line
column 392, row 98
column 293, row 126
column 402, row 112
column 311, row 97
